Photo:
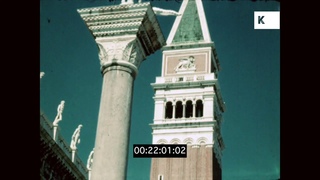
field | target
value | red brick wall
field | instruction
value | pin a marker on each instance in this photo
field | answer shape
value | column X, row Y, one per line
column 200, row 164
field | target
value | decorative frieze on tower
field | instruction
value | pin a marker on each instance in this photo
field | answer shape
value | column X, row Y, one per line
column 188, row 101
column 125, row 35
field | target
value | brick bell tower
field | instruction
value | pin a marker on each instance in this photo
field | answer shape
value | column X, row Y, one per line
column 188, row 102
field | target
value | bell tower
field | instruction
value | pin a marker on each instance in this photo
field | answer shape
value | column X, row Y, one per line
column 188, row 102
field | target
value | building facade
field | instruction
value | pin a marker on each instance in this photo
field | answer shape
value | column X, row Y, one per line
column 56, row 156
column 188, row 102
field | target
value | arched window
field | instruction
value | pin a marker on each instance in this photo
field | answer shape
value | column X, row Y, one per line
column 189, row 109
column 160, row 177
column 175, row 141
column 169, row 109
column 179, row 109
column 199, row 108
column 162, row 141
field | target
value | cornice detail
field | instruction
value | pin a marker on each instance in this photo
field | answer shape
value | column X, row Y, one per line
column 125, row 34
column 134, row 24
column 108, row 8
column 109, row 17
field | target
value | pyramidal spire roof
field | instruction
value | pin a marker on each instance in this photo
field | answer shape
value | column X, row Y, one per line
column 191, row 27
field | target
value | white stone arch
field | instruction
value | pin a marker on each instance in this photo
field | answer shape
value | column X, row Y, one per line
column 168, row 100
column 187, row 98
column 175, row 141
column 202, row 140
column 162, row 141
column 179, row 98
column 198, row 99
column 188, row 140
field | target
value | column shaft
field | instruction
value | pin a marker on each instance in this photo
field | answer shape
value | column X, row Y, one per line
column 113, row 129
column 194, row 110
column 184, row 111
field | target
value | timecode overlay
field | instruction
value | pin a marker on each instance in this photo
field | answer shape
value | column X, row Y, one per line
column 159, row 150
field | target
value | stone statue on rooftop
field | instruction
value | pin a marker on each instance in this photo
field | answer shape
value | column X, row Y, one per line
column 59, row 113
column 90, row 160
column 75, row 138
column 41, row 74
column 89, row 163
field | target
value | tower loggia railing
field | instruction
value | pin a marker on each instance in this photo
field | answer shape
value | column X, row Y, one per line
column 183, row 119
column 185, row 78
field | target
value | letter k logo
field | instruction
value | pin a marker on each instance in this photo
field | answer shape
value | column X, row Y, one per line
column 266, row 20
column 260, row 19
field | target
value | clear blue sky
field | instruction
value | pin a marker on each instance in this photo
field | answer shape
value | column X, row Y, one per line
column 249, row 80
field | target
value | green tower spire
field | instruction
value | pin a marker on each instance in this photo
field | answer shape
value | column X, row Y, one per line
column 189, row 29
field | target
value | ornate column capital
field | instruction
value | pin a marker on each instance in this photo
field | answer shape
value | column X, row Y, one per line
column 126, row 51
column 125, row 34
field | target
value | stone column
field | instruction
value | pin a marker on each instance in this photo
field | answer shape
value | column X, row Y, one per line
column 174, row 110
column 184, row 109
column 194, row 109
column 125, row 34
column 112, row 140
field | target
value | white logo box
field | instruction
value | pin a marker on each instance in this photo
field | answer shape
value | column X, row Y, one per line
column 266, row 19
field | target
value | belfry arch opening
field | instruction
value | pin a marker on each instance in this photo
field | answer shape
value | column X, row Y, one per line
column 189, row 107
column 199, row 108
column 160, row 177
column 179, row 109
column 169, row 110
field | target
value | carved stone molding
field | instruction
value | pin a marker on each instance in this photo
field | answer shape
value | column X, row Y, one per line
column 195, row 146
column 175, row 141
column 162, row 141
column 209, row 145
column 202, row 140
column 186, row 65
column 188, row 140
column 125, row 34
column 122, row 51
